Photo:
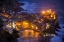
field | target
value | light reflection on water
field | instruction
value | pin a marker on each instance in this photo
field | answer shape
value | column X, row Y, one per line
column 29, row 36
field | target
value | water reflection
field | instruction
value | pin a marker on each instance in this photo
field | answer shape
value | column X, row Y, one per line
column 29, row 36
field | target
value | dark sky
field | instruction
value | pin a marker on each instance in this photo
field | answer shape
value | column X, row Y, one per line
column 39, row 5
column 45, row 4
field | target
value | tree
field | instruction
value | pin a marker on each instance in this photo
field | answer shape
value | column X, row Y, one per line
column 10, row 6
column 1, row 23
column 15, row 34
column 54, row 26
column 2, row 37
column 5, row 36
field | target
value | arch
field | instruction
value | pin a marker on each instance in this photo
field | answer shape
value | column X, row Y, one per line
column 21, row 25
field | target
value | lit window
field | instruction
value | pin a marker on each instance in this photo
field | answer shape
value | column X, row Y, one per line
column 47, row 25
column 9, row 25
column 54, row 17
column 25, row 24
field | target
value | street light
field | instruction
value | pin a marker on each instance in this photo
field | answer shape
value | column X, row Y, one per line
column 36, row 28
column 43, row 12
column 49, row 11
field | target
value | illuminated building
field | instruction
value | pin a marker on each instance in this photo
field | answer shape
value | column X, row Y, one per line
column 31, row 26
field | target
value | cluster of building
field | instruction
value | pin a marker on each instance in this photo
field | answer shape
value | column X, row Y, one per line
column 32, row 27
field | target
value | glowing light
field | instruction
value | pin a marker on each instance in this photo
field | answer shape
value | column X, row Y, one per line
column 51, row 15
column 42, row 20
column 17, row 28
column 48, row 11
column 28, row 33
column 6, row 15
column 32, row 33
column 39, row 22
column 43, row 12
column 54, row 17
column 25, row 34
column 36, row 28
column 46, row 34
column 9, row 25
column 36, row 34
column 32, row 26
column 13, row 24
column 47, row 25
column 18, row 23
column 25, row 24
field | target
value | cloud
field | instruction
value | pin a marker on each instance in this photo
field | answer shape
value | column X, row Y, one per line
column 30, row 7
column 38, row 7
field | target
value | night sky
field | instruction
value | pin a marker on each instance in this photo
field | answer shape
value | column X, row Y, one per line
column 39, row 5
